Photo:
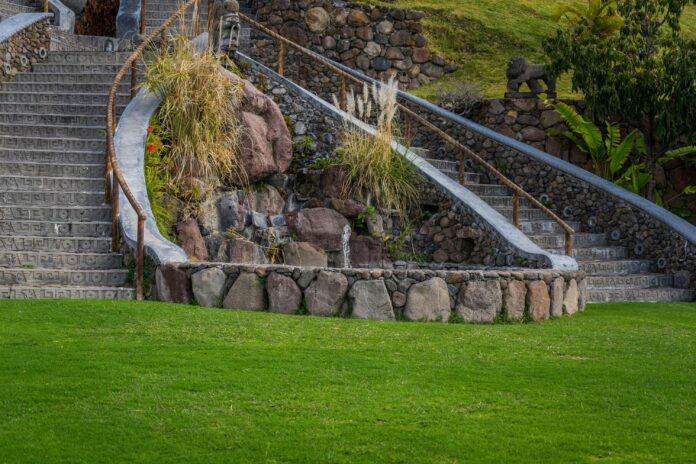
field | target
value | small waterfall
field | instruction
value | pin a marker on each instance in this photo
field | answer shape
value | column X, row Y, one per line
column 346, row 246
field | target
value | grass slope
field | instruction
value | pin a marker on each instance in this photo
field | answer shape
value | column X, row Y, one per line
column 125, row 382
column 482, row 36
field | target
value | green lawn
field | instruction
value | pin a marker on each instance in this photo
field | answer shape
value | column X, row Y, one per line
column 482, row 36
column 126, row 382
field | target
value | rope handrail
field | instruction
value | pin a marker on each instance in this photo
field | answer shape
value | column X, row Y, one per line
column 113, row 169
column 463, row 150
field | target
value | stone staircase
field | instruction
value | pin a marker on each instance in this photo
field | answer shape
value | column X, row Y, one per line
column 12, row 7
column 612, row 275
column 55, row 230
column 158, row 12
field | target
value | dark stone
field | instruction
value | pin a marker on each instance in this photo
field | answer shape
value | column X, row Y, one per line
column 173, row 285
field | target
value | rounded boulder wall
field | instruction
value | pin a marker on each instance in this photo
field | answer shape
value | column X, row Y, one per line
column 266, row 144
column 317, row 19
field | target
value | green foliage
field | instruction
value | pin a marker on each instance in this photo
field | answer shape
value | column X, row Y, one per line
column 645, row 73
column 323, row 163
column 360, row 222
column 598, row 19
column 157, row 179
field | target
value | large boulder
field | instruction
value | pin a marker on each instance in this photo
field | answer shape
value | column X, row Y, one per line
column 371, row 301
column 557, row 288
column 172, row 285
column 428, row 301
column 368, row 252
column 303, row 254
column 191, row 240
column 322, row 227
column 332, row 181
column 267, row 201
column 231, row 213
column 284, row 296
column 571, row 298
column 325, row 295
column 246, row 293
column 514, row 300
column 539, row 300
column 480, row 301
column 266, row 145
column 208, row 287
column 245, row 252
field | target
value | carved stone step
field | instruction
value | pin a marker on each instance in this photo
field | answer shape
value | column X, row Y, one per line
column 546, row 226
column 487, row 189
column 60, row 98
column 51, row 184
column 56, row 244
column 66, row 293
column 607, row 295
column 63, row 199
column 67, row 261
column 66, row 109
column 57, row 68
column 90, row 278
column 55, row 229
column 60, row 87
column 51, row 157
column 580, row 240
column 56, row 213
column 85, row 57
column 595, row 253
column 87, row 171
column 58, row 144
column 23, row 130
column 630, row 280
column 525, row 214
column 69, row 78
column 471, row 177
column 503, row 201
column 53, row 120
column 618, row 267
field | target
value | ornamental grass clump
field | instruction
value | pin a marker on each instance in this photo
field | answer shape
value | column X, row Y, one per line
column 374, row 170
column 197, row 116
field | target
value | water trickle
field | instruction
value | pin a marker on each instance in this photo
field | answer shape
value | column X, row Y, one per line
column 346, row 245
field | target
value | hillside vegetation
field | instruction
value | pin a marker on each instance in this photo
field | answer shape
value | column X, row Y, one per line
column 482, row 35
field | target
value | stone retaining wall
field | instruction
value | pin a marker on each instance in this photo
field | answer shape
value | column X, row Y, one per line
column 380, row 41
column 21, row 50
column 419, row 295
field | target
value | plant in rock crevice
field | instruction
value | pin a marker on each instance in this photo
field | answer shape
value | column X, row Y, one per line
column 374, row 170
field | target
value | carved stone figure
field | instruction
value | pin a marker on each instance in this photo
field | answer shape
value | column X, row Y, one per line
column 223, row 36
column 520, row 71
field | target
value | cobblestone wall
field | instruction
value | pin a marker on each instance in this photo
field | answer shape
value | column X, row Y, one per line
column 20, row 51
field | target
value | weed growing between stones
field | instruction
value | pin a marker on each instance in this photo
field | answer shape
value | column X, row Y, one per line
column 374, row 170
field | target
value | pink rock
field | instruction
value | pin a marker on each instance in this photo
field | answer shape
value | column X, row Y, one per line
column 322, row 227
column 191, row 239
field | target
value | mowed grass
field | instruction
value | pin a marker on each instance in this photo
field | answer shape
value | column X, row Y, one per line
column 482, row 35
column 109, row 381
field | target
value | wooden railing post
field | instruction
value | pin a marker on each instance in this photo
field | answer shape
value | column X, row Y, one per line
column 197, row 19
column 568, row 243
column 516, row 209
column 107, row 178
column 343, row 93
column 45, row 6
column 143, row 13
column 281, row 52
column 462, row 169
column 140, row 259
column 115, row 200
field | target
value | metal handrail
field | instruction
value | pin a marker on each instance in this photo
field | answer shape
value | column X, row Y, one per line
column 463, row 151
column 113, row 170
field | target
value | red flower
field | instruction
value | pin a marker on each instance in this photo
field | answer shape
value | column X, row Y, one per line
column 151, row 148
column 149, row 130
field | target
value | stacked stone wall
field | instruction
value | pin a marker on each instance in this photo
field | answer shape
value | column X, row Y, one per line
column 21, row 50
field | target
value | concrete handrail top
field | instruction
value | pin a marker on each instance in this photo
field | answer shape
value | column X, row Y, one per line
column 19, row 22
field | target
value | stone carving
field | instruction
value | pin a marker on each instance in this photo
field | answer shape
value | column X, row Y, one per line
column 223, row 35
column 520, row 71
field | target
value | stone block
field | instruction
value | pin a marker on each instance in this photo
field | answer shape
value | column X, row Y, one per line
column 571, row 298
column 539, row 300
column 325, row 295
column 208, row 287
column 480, row 301
column 247, row 293
column 284, row 296
column 428, row 301
column 557, row 293
column 514, row 299
column 370, row 300
column 172, row 285
column 304, row 254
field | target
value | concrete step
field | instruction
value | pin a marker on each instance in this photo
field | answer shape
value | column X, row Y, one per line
column 53, row 120
column 471, row 177
column 55, row 213
column 617, row 267
column 606, row 253
column 88, row 57
column 69, row 78
column 56, row 244
column 630, row 280
column 87, row 171
column 51, row 184
column 66, row 261
column 60, row 108
column 8, row 155
column 90, row 278
column 58, row 68
column 525, row 214
column 504, row 201
column 60, row 98
column 46, row 131
column 55, row 228
column 57, row 144
column 63, row 199
column 580, row 240
column 67, row 293
column 488, row 189
column 546, row 226
column 62, row 87
column 664, row 294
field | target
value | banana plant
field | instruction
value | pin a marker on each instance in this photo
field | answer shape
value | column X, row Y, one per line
column 597, row 20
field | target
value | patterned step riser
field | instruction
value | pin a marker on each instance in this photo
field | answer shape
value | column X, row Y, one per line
column 79, row 214
column 55, row 245
column 64, row 199
column 595, row 253
column 545, row 227
column 52, row 132
column 48, row 170
column 100, row 89
column 92, row 278
column 54, row 68
column 58, row 98
column 57, row 229
column 89, row 58
column 524, row 214
column 39, row 260
column 579, row 240
column 50, row 157
column 633, row 280
column 503, row 201
column 69, row 78
column 488, row 190
column 640, row 295
column 52, row 184
column 49, row 293
column 621, row 267
column 51, row 144
column 472, row 178
column 53, row 120
column 60, row 109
